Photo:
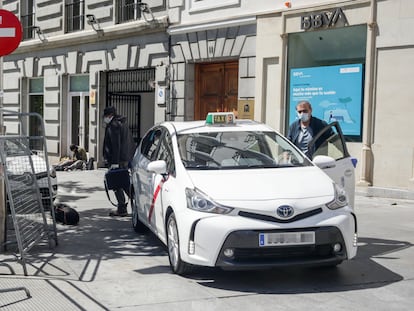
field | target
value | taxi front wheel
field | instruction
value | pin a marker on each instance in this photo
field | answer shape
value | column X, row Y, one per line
column 173, row 243
column 138, row 226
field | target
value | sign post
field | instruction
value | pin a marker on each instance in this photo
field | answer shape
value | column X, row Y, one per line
column 10, row 37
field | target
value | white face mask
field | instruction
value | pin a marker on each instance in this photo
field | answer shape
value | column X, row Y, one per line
column 107, row 120
column 303, row 116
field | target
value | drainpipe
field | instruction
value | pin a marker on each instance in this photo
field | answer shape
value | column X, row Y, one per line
column 283, row 61
column 3, row 214
column 169, row 83
column 367, row 136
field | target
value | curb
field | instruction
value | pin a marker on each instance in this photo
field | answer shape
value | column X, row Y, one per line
column 385, row 193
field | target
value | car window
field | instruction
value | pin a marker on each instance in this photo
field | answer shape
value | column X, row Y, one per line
column 13, row 148
column 150, row 144
column 238, row 149
column 166, row 153
column 330, row 142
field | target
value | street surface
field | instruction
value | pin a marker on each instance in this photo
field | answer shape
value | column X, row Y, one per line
column 102, row 264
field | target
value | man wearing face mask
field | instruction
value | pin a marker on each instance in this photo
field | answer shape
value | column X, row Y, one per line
column 118, row 150
column 302, row 131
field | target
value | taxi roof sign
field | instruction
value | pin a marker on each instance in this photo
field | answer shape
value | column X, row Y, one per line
column 220, row 118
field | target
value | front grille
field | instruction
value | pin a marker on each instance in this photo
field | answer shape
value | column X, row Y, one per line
column 44, row 192
column 283, row 253
column 278, row 220
column 248, row 253
column 41, row 175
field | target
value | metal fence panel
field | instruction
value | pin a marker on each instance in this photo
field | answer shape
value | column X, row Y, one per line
column 26, row 171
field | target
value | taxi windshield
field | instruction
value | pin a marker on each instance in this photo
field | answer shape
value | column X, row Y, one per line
column 238, row 150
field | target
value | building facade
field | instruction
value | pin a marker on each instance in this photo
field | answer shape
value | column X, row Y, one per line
column 356, row 55
column 178, row 59
column 372, row 35
column 78, row 56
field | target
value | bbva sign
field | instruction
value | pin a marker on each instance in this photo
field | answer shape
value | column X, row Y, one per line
column 323, row 19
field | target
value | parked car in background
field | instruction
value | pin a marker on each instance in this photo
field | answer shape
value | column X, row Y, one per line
column 23, row 169
column 236, row 194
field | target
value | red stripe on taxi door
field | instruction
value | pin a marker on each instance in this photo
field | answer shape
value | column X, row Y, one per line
column 154, row 198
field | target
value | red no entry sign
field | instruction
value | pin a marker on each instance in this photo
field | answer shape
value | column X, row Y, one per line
column 10, row 32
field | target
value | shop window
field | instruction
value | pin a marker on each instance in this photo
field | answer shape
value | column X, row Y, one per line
column 326, row 68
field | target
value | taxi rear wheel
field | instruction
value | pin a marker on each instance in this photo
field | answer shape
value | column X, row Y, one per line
column 173, row 243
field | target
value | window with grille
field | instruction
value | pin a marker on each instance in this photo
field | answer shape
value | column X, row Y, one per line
column 35, row 105
column 127, row 10
column 74, row 15
column 27, row 18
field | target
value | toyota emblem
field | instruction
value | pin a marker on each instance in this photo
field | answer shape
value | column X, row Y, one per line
column 284, row 211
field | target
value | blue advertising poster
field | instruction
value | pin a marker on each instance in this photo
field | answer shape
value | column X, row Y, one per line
column 335, row 93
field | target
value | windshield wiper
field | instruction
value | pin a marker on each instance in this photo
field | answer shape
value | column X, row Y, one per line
column 257, row 166
column 203, row 167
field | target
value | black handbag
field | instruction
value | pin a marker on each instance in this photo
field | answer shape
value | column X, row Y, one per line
column 66, row 215
column 117, row 179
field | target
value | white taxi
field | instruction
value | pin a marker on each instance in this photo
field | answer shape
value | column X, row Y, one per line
column 236, row 194
column 19, row 168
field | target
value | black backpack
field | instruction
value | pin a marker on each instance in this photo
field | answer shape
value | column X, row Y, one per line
column 66, row 214
column 89, row 164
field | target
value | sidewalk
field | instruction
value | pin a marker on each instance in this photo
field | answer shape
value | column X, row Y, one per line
column 90, row 263
column 385, row 193
column 96, row 263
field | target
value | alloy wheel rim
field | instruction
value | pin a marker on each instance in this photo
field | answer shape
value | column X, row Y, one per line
column 173, row 242
column 134, row 216
column 134, row 213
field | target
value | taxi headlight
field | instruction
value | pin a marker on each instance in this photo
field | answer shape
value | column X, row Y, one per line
column 52, row 172
column 340, row 198
column 198, row 201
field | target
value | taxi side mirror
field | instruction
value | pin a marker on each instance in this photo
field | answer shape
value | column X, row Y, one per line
column 324, row 162
column 158, row 167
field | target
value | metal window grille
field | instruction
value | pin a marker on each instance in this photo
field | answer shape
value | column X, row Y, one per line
column 131, row 81
column 127, row 10
column 123, row 92
column 27, row 25
column 130, row 107
column 75, row 15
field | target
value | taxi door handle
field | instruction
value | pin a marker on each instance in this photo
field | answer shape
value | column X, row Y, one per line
column 348, row 173
column 165, row 189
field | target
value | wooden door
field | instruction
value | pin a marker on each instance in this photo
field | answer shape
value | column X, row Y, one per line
column 216, row 88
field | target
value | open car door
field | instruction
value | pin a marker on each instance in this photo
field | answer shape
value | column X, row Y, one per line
column 331, row 142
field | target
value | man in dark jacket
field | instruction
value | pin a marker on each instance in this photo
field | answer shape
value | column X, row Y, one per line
column 303, row 130
column 118, row 150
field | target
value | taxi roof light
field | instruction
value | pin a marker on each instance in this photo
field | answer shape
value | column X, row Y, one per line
column 220, row 118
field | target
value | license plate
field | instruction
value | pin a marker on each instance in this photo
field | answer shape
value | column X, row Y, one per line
column 287, row 238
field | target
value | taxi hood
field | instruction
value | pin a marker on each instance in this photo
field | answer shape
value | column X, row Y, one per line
column 21, row 164
column 263, row 184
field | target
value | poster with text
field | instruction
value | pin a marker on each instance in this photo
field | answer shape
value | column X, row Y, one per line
column 335, row 93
